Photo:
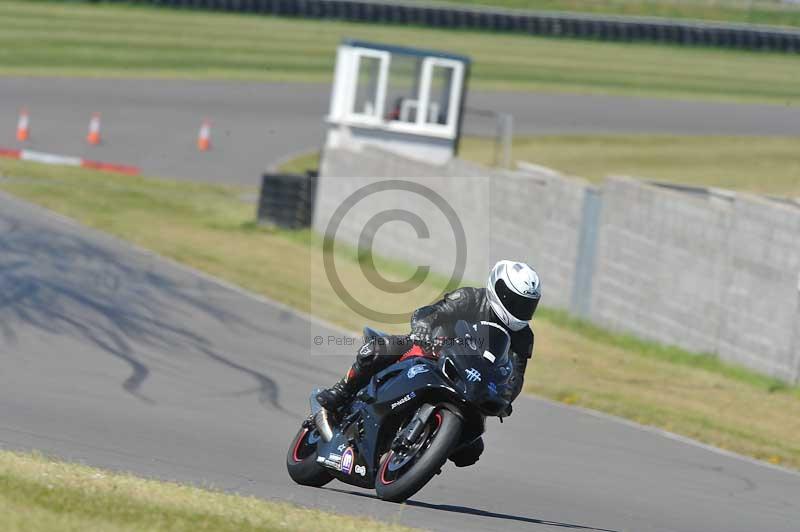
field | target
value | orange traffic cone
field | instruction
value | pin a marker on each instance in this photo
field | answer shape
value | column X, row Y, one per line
column 204, row 136
column 23, row 125
column 93, row 137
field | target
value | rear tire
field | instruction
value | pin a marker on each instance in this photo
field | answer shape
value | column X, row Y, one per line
column 301, row 461
column 444, row 438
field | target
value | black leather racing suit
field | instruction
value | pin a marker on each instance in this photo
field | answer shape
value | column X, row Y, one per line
column 468, row 304
column 472, row 306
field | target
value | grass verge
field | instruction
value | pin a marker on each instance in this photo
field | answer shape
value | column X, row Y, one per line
column 209, row 228
column 57, row 39
column 39, row 494
column 761, row 165
column 300, row 163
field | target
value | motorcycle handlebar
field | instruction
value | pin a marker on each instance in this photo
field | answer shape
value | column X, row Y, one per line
column 429, row 344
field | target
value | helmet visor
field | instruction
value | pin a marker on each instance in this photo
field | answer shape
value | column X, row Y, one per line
column 520, row 307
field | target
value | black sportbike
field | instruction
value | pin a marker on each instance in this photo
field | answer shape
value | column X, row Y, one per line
column 401, row 428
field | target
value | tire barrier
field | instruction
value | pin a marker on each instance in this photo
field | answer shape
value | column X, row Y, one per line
column 551, row 24
column 287, row 200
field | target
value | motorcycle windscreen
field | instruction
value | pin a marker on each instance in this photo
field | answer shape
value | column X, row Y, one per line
column 483, row 365
column 489, row 339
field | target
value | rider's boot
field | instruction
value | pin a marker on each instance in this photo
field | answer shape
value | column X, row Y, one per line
column 468, row 454
column 333, row 398
column 376, row 354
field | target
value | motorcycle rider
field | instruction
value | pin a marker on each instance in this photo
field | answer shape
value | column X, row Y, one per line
column 510, row 299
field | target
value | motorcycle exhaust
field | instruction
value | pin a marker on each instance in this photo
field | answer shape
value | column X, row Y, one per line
column 323, row 425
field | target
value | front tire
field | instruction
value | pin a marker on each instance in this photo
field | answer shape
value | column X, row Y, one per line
column 441, row 438
column 301, row 460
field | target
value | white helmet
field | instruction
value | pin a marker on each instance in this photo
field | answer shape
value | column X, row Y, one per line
column 514, row 292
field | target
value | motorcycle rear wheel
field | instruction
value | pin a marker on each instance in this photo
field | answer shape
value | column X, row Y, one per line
column 440, row 437
column 301, row 460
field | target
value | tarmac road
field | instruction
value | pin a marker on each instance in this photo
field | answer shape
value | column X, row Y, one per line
column 123, row 360
column 154, row 123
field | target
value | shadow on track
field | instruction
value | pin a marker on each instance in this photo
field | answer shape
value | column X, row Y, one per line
column 480, row 513
column 66, row 285
column 483, row 513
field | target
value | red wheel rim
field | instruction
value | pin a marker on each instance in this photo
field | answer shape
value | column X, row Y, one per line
column 383, row 469
column 388, row 458
column 297, row 445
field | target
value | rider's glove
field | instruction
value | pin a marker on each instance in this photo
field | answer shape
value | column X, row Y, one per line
column 421, row 334
column 507, row 411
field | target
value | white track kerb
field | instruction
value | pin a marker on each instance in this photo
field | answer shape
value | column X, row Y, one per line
column 317, row 321
column 66, row 160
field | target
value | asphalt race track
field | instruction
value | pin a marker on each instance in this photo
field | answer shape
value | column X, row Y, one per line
column 154, row 123
column 120, row 359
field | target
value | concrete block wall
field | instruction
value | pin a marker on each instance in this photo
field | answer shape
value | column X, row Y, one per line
column 762, row 288
column 493, row 205
column 710, row 271
column 462, row 186
column 537, row 218
column 659, row 255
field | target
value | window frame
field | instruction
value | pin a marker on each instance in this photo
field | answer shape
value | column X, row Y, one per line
column 349, row 89
column 381, row 84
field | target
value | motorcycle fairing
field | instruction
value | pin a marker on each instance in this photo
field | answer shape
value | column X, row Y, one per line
column 395, row 393
column 390, row 397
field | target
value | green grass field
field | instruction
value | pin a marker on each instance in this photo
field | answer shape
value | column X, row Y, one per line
column 741, row 11
column 38, row 494
column 211, row 228
column 57, row 39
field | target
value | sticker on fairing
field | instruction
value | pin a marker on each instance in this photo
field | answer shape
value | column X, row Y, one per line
column 415, row 370
column 405, row 399
column 347, row 461
column 333, row 461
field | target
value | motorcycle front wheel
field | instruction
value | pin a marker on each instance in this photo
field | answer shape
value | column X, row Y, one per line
column 402, row 474
column 301, row 460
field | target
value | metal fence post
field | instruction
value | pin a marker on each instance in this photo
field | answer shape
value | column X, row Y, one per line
column 507, row 138
column 795, row 346
column 503, row 139
column 581, row 303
